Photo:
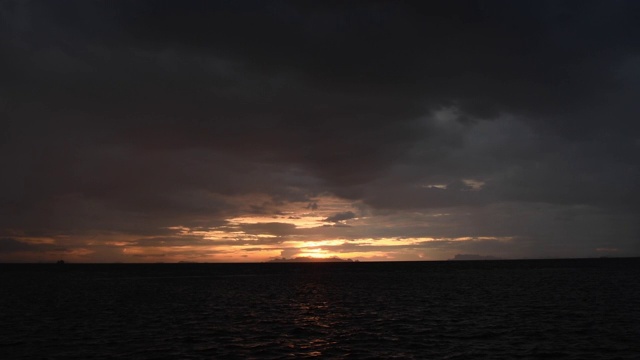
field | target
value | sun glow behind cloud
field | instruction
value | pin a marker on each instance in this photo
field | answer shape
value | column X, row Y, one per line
column 326, row 227
column 330, row 228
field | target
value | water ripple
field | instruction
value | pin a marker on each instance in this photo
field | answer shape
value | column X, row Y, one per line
column 261, row 311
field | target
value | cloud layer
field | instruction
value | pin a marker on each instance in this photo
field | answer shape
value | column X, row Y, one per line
column 493, row 128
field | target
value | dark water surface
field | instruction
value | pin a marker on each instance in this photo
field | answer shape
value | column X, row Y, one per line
column 525, row 309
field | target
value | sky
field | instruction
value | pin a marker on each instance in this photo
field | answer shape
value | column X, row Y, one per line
column 244, row 131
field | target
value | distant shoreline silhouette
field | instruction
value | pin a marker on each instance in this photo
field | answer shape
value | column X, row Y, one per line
column 310, row 259
column 460, row 257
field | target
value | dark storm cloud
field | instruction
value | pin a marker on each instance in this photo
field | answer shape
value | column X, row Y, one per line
column 132, row 117
column 341, row 216
column 171, row 241
column 9, row 245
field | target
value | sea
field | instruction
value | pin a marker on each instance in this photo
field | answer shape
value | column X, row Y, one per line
column 510, row 309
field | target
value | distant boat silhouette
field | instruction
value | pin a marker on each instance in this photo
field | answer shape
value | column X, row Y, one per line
column 60, row 262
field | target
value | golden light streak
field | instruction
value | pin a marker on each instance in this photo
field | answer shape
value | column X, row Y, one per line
column 301, row 222
column 37, row 240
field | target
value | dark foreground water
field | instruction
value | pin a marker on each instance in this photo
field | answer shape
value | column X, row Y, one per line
column 571, row 309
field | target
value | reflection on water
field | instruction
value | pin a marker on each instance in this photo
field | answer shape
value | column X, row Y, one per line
column 496, row 310
column 312, row 314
